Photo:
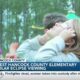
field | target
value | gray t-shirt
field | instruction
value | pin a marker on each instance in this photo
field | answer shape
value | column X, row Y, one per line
column 28, row 49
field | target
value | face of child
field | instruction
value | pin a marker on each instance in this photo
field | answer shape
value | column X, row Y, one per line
column 69, row 25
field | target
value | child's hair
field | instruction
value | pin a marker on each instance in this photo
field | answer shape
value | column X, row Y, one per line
column 50, row 19
column 76, row 48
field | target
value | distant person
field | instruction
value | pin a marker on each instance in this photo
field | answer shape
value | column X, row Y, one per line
column 12, row 51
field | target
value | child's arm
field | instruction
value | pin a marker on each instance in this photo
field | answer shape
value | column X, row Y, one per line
column 51, row 51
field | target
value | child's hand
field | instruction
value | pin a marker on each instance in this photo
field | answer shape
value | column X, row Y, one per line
column 54, row 31
column 67, row 34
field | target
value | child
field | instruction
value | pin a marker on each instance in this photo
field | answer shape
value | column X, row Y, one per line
column 64, row 47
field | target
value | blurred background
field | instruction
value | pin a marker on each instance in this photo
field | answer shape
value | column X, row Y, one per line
column 22, row 19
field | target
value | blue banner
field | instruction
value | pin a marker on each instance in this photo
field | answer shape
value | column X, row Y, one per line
column 39, row 66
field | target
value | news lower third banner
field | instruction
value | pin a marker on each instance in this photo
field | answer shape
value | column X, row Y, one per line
column 39, row 66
